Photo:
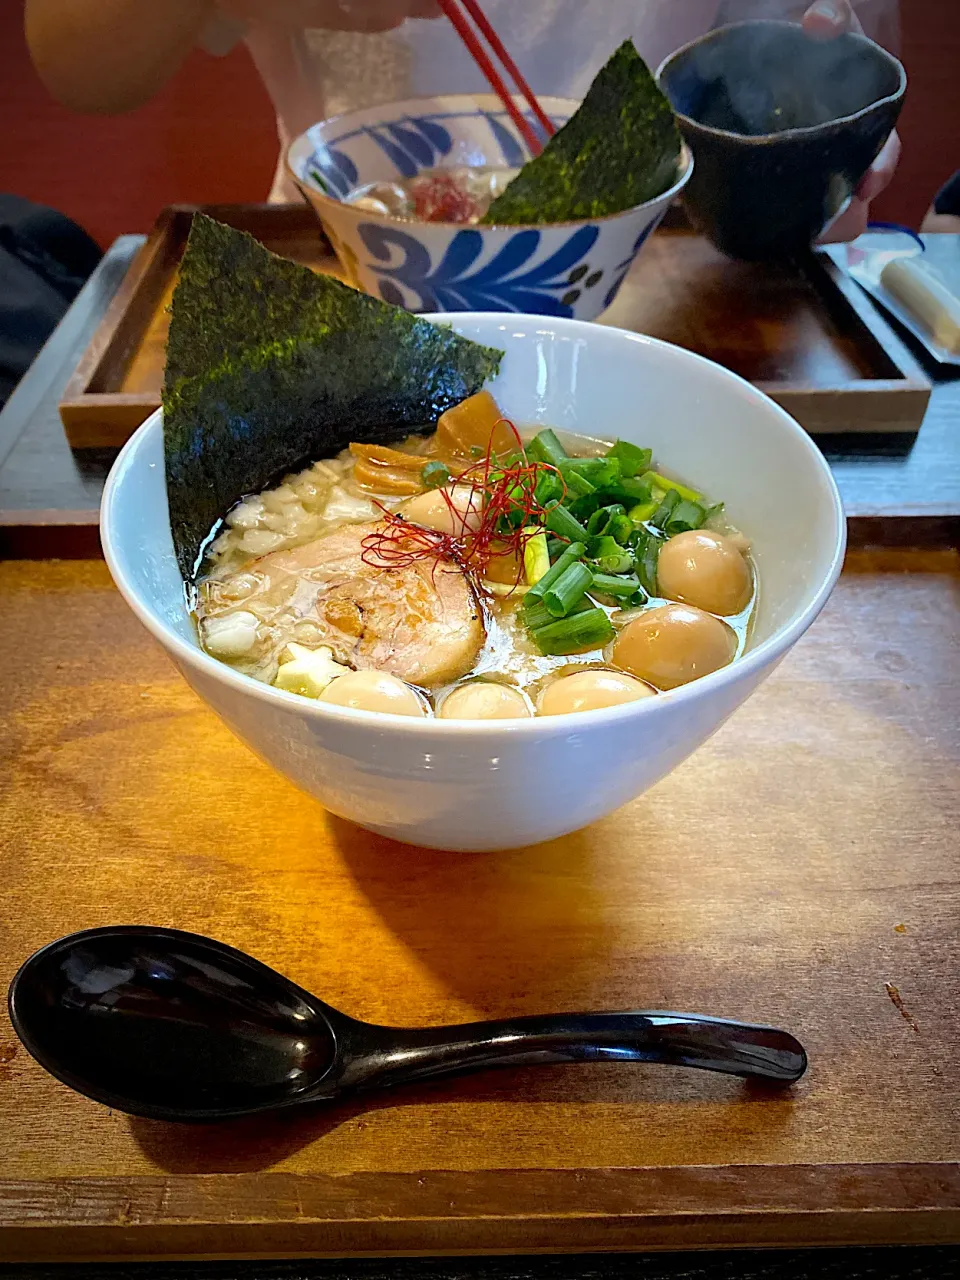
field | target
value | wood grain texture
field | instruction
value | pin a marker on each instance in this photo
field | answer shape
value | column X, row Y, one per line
column 807, row 336
column 802, row 860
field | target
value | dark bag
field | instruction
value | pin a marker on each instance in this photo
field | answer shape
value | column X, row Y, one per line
column 948, row 197
column 44, row 260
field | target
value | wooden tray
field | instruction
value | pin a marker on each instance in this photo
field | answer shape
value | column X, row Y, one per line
column 116, row 384
column 806, row 335
column 800, row 868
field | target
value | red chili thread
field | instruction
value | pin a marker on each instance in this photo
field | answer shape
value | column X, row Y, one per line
column 400, row 543
column 508, row 507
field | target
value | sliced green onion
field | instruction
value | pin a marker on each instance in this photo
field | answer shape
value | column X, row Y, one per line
column 536, row 558
column 559, row 521
column 628, row 492
column 550, row 488
column 620, row 586
column 632, row 459
column 601, row 518
column 583, row 508
column 647, row 555
column 663, row 482
column 572, row 554
column 642, row 511
column 518, row 495
column 598, row 471
column 536, row 614
column 620, row 528
column 435, row 474
column 568, row 590
column 555, row 547
column 577, row 485
column 602, row 545
column 622, row 562
column 609, row 556
column 597, row 522
column 637, row 490
column 665, row 509
column 684, row 517
column 578, row 632
column 545, row 447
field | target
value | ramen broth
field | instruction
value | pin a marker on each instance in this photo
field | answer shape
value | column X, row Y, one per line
column 329, row 571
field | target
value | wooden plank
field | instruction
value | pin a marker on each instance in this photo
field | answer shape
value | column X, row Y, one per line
column 441, row 1211
column 801, row 868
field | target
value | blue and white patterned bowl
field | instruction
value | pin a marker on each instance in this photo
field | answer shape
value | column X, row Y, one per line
column 570, row 269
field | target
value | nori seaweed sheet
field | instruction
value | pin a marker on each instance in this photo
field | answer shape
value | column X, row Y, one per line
column 269, row 364
column 619, row 149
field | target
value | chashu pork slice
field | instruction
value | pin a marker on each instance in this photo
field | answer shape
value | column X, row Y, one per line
column 420, row 621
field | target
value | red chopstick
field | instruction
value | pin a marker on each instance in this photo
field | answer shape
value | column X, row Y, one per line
column 480, row 56
column 496, row 44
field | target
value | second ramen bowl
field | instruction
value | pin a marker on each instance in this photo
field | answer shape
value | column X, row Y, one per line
column 567, row 269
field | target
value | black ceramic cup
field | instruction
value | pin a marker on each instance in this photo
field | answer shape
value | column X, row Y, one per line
column 782, row 128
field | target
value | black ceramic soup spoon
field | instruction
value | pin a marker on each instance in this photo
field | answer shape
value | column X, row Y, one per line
column 175, row 1026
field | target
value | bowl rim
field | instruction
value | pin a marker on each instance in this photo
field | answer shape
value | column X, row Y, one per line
column 751, row 663
column 800, row 131
column 685, row 162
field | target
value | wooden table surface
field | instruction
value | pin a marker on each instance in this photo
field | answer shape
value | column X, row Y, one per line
column 801, row 868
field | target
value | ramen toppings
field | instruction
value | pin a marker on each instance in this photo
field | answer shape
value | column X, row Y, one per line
column 503, row 574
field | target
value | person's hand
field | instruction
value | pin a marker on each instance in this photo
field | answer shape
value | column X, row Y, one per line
column 331, row 15
column 825, row 20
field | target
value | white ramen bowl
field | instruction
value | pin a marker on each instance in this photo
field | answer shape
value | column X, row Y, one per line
column 569, row 269
column 475, row 785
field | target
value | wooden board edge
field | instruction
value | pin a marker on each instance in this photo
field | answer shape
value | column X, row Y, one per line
column 893, row 531
column 872, row 406
column 491, row 1237
column 296, row 216
column 104, row 420
column 147, row 261
column 488, row 1211
column 50, row 535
